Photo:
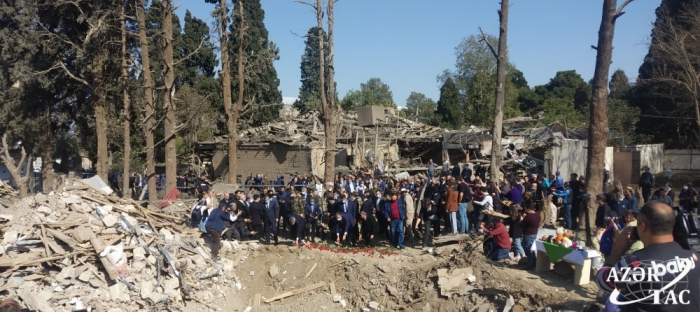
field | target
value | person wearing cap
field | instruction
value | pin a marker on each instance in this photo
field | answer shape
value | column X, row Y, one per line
column 646, row 182
column 499, row 247
column 663, row 197
column 429, row 216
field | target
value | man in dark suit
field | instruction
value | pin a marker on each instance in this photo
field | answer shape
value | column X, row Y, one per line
column 331, row 210
column 298, row 225
column 272, row 215
column 347, row 206
column 312, row 211
column 256, row 215
column 343, row 224
column 370, row 228
column 368, row 204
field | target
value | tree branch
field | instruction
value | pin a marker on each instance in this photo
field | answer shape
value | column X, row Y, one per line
column 483, row 39
column 201, row 44
column 65, row 69
column 620, row 11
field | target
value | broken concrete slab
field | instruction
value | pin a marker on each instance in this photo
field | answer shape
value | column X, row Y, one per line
column 454, row 283
column 274, row 270
column 337, row 298
column 45, row 210
column 146, row 288
column 110, row 220
column 392, row 290
column 374, row 305
column 85, row 276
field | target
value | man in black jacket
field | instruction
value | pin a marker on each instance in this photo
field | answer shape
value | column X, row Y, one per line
column 600, row 223
column 646, row 182
column 256, row 215
column 370, row 228
column 298, row 225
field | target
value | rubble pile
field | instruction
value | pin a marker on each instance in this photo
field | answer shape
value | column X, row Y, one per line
column 7, row 195
column 81, row 250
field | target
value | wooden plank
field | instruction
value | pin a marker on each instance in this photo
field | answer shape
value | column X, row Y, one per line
column 45, row 242
column 111, row 270
column 451, row 238
column 312, row 269
column 296, row 292
column 332, row 288
column 8, row 263
column 256, row 299
column 63, row 237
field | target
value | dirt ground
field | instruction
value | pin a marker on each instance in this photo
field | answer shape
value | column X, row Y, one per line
column 389, row 280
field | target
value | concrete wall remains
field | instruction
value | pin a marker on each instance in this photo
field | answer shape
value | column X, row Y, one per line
column 270, row 160
column 679, row 160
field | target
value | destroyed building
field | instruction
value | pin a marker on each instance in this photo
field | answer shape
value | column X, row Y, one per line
column 372, row 136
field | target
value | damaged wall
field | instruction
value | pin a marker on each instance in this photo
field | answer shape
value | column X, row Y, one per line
column 572, row 157
column 682, row 159
column 271, row 159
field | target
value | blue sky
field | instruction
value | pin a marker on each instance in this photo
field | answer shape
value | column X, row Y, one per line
column 407, row 43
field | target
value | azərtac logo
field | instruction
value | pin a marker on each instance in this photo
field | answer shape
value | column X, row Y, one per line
column 650, row 282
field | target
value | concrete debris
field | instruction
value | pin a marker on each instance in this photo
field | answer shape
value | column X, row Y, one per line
column 274, row 271
column 79, row 241
column 374, row 305
column 337, row 298
column 455, row 282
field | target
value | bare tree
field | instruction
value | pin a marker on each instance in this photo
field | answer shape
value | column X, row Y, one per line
column 16, row 170
column 598, row 128
column 676, row 46
column 501, row 62
column 231, row 121
column 330, row 112
column 127, row 112
column 149, row 110
column 170, row 122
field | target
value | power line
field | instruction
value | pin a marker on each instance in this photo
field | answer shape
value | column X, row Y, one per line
column 667, row 117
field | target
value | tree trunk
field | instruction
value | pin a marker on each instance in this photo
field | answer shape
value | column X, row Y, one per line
column 231, row 122
column 101, row 131
column 16, row 170
column 47, row 157
column 126, row 192
column 150, row 108
column 169, row 123
column 501, row 62
column 326, row 107
column 598, row 128
column 238, row 110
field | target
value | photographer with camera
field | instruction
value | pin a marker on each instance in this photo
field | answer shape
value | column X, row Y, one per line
column 670, row 272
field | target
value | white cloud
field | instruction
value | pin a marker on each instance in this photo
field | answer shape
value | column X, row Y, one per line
column 288, row 100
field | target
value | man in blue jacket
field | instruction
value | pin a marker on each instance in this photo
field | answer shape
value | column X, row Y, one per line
column 566, row 198
column 214, row 226
column 312, row 211
column 271, row 217
column 395, row 212
column 344, row 226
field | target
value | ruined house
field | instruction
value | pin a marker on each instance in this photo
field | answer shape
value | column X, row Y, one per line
column 295, row 144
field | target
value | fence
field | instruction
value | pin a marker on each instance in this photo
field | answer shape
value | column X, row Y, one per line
column 679, row 160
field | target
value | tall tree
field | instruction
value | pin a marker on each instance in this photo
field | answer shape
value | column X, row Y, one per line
column 195, row 51
column 598, row 124
column 126, row 113
column 310, row 90
column 420, row 107
column 149, row 109
column 501, row 63
column 669, row 79
column 262, row 98
column 374, row 92
column 448, row 107
column 170, row 122
column 221, row 14
column 619, row 84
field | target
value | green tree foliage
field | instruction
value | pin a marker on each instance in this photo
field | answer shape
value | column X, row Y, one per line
column 449, row 107
column 562, row 110
column 671, row 66
column 309, row 92
column 420, row 107
column 569, row 84
column 619, row 84
column 374, row 92
column 261, row 81
column 475, row 78
column 196, row 51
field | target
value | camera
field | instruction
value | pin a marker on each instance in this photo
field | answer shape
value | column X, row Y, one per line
column 686, row 231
